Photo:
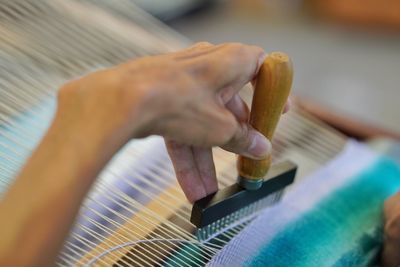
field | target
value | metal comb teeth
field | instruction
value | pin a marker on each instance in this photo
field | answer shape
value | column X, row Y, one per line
column 234, row 205
column 237, row 220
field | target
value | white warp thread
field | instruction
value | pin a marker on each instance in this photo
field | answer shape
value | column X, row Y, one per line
column 131, row 243
column 202, row 243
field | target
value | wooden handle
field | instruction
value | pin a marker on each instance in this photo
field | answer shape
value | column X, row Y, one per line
column 272, row 89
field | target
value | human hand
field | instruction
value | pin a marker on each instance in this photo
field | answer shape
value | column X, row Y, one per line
column 190, row 97
column 391, row 247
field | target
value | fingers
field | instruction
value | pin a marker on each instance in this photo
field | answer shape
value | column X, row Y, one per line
column 249, row 143
column 206, row 168
column 221, row 66
column 239, row 108
column 222, row 70
column 246, row 141
column 197, row 49
column 194, row 168
column 186, row 170
column 237, row 65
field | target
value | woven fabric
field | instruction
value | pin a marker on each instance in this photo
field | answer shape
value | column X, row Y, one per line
column 333, row 218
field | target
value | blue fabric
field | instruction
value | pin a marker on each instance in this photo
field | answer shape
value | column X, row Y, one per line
column 334, row 218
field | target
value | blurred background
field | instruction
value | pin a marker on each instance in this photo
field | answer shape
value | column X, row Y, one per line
column 346, row 53
column 347, row 72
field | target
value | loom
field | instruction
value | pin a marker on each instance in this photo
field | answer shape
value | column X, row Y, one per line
column 135, row 214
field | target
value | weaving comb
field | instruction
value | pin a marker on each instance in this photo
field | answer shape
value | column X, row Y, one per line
column 257, row 185
column 136, row 214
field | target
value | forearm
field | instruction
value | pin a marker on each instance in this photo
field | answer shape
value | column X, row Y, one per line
column 41, row 205
column 189, row 96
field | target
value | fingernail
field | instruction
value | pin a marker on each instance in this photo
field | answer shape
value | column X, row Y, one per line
column 260, row 146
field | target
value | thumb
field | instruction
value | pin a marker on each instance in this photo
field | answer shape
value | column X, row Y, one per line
column 249, row 142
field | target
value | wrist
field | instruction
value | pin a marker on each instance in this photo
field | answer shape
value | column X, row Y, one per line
column 78, row 150
column 110, row 107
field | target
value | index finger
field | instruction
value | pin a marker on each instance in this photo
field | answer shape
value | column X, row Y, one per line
column 228, row 65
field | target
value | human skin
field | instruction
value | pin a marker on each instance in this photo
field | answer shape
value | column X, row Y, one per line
column 391, row 247
column 189, row 97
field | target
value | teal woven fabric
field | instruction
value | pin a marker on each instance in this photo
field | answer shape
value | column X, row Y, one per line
column 334, row 218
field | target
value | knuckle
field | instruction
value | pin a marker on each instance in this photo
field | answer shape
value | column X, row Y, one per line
column 243, row 55
column 202, row 44
column 197, row 47
column 243, row 139
column 257, row 50
column 225, row 138
column 227, row 132
column 236, row 50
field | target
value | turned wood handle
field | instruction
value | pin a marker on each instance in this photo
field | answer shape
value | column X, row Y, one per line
column 272, row 89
